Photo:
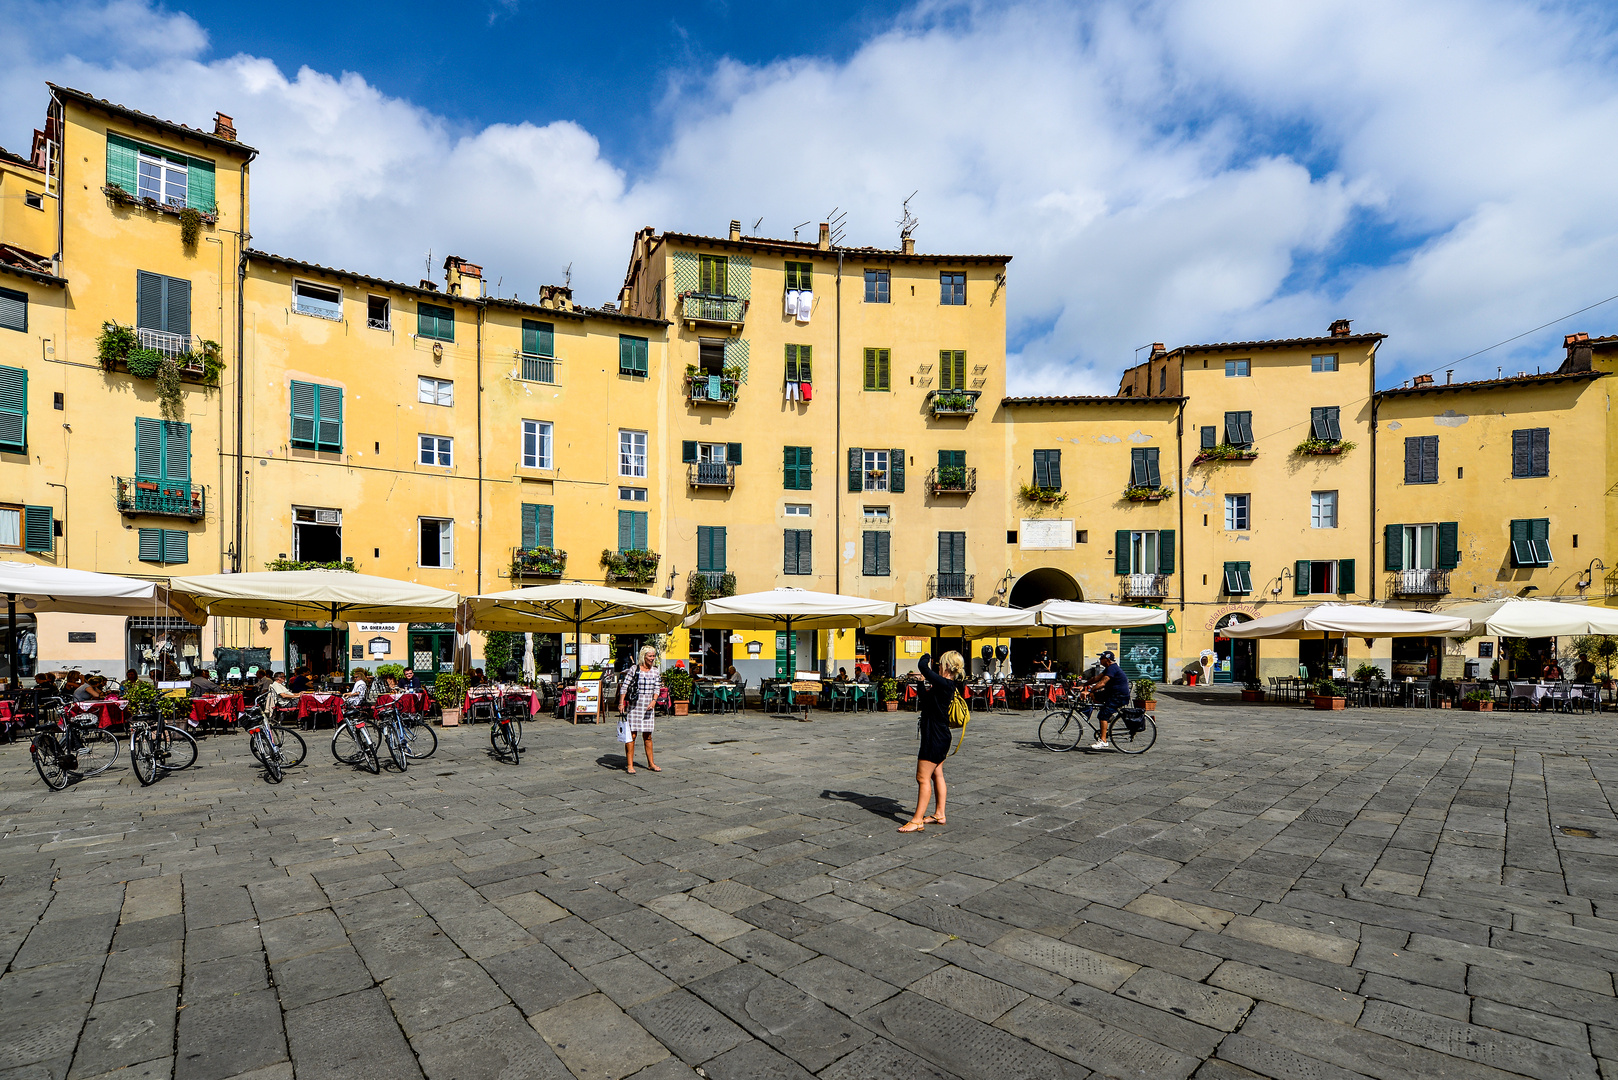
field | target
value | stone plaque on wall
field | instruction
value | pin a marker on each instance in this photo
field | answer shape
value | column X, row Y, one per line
column 1041, row 535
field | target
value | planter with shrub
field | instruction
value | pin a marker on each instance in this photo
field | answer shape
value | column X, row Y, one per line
column 450, row 691
column 1328, row 695
column 1478, row 701
column 1145, row 694
column 679, row 683
column 889, row 691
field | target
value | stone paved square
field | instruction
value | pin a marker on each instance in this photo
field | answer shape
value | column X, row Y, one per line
column 1270, row 892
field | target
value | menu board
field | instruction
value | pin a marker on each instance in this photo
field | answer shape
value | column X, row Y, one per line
column 588, row 701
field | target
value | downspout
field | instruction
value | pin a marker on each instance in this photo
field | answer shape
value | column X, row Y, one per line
column 242, row 239
column 1179, row 489
column 60, row 115
column 1370, row 568
column 67, row 533
column 483, row 308
column 837, row 451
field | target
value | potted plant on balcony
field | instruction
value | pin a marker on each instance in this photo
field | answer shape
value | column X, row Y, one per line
column 1323, row 447
column 1139, row 493
column 947, row 403
column 951, row 478
column 450, row 691
column 1478, row 701
column 1145, row 694
column 114, row 344
column 1225, row 452
column 1043, row 496
column 888, row 689
column 1328, row 695
column 679, row 682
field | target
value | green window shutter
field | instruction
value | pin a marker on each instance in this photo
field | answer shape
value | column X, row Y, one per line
column 1042, row 472
column 13, row 409
column 718, row 548
column 705, row 547
column 1233, row 430
column 1300, row 578
column 714, row 274
column 805, row 355
column 870, row 369
column 688, row 451
column 946, row 371
column 633, row 355
column 1137, row 467
column 176, row 546
column 13, row 310
column 1539, row 452
column 1053, row 466
column 538, row 338
column 149, row 291
column 148, row 449
column 176, row 451
column 626, row 530
column 1429, row 459
column 806, row 552
column 1165, row 551
column 1154, row 477
column 538, row 526
column 1345, row 576
column 789, row 468
column 1539, row 538
column 733, row 453
column 883, row 568
column 177, row 306
column 952, row 459
column 199, row 188
column 1210, row 437
column 1120, row 551
column 1522, row 554
column 868, row 554
column 856, row 469
column 303, row 414
column 1520, row 454
column 1449, row 545
column 1334, row 426
column 882, row 380
column 789, row 551
column 806, row 468
column 797, row 548
column 960, row 369
column 151, row 545
column 528, row 541
column 329, row 416
column 38, row 528
column 1393, row 547
column 896, row 471
column 1317, row 424
column 952, row 553
column 792, row 364
column 122, row 170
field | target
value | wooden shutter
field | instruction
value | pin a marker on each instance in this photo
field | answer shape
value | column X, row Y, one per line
column 883, row 567
column 1539, row 538
column 38, row 528
column 642, row 543
column 151, row 545
column 718, row 535
column 876, row 369
column 1041, row 470
column 952, row 553
column 896, row 471
column 688, row 451
column 148, row 449
column 1053, row 468
column 176, row 450
column 792, row 364
column 1300, row 577
column 1210, row 437
column 13, row 409
column 149, row 301
column 303, row 413
column 1334, row 427
column 1233, row 580
column 123, row 168
column 1317, row 424
column 1345, row 576
column 733, row 453
column 1522, row 553
column 951, row 369
column 538, row 526
column 1393, row 547
column 176, row 546
column 538, row 338
column 1165, row 551
column 789, row 468
column 1137, row 467
column 1539, row 452
column 1449, row 545
column 805, row 355
column 528, row 541
column 1120, row 551
column 868, row 553
column 856, row 469
column 1521, row 453
column 13, row 310
column 704, row 547
column 177, row 306
column 199, row 185
column 798, row 554
column 1233, row 428
column 329, row 417
column 1244, row 421
column 714, row 279
column 1429, row 459
column 789, row 551
column 626, row 520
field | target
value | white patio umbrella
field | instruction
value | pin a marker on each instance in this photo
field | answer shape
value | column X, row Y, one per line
column 571, row 607
column 957, row 618
column 1350, row 620
column 528, row 668
column 1511, row 617
column 791, row 609
column 1076, row 615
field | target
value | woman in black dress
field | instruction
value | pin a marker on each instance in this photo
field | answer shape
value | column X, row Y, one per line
column 934, row 724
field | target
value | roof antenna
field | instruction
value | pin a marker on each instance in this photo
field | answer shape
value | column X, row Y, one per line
column 795, row 228
column 756, row 224
column 908, row 223
column 836, row 221
column 567, row 277
column 429, row 263
column 497, row 283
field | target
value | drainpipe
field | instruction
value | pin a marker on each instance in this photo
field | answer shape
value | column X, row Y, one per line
column 1179, row 488
column 483, row 308
column 1371, row 568
column 242, row 240
column 66, row 532
column 837, row 454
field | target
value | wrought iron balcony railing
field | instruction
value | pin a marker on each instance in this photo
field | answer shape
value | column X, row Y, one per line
column 165, row 498
column 538, row 368
column 706, row 584
column 166, row 343
column 538, row 562
column 1143, row 586
column 945, row 403
column 711, row 474
column 714, row 309
column 952, row 480
column 950, row 586
column 712, row 390
column 1418, row 583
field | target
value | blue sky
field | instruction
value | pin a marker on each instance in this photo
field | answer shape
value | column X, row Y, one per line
column 1166, row 170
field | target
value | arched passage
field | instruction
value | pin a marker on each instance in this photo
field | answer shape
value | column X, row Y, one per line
column 1035, row 587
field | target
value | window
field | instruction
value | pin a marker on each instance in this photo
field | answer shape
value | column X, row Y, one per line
column 711, row 356
column 1210, row 436
column 1237, row 369
column 1239, row 428
column 163, row 453
column 538, row 351
column 317, row 534
column 1048, row 469
column 11, row 527
column 877, row 287
column 435, row 322
column 951, row 369
column 1323, row 509
column 162, row 305
column 1531, row 452
column 632, row 494
column 317, row 300
column 164, row 545
column 709, row 453
column 13, row 310
column 1236, row 519
column 952, row 566
column 876, row 470
column 799, row 369
column 438, row 450
column 435, row 391
column 34, row 200
column 167, row 176
column 874, row 556
column 1142, row 553
column 1324, row 362
column 1163, row 379
column 632, row 355
column 1323, row 576
column 1238, row 578
column 796, row 558
column 711, row 548
column 632, row 530
column 799, row 510
column 1420, row 547
column 1434, row 546
column 14, row 410
column 536, row 444
column 876, row 515
column 631, row 453
column 800, row 275
column 437, row 542
column 1323, row 424
column 952, row 289
column 1421, row 459
column 538, row 526
column 876, row 369
column 27, row 528
column 378, row 313
column 1143, row 470
column 161, row 178
column 1531, row 542
column 797, row 472
column 317, row 416
column 715, row 274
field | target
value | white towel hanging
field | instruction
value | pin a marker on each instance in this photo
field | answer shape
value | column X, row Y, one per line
column 792, row 302
column 806, row 302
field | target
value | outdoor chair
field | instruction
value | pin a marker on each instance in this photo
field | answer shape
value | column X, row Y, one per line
column 1521, row 696
column 842, row 697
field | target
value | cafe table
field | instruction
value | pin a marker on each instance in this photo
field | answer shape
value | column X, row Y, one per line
column 109, row 711
column 312, row 706
column 225, row 706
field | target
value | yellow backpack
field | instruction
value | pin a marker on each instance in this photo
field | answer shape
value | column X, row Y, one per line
column 959, row 716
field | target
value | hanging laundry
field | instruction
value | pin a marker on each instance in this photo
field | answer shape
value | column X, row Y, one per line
column 716, row 389
column 792, row 302
column 808, row 391
column 792, row 391
column 806, row 301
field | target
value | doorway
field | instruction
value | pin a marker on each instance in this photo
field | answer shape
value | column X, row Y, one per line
column 710, row 653
column 795, row 652
column 1035, row 587
column 875, row 652
column 314, row 645
column 432, row 649
column 1235, row 659
column 1319, row 659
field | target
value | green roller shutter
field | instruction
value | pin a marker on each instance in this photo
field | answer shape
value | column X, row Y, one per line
column 1120, row 552
column 896, row 471
column 199, row 187
column 1165, row 551
column 13, row 310
column 1142, row 654
column 122, row 170
column 13, row 409
column 38, row 528
column 856, row 469
column 1449, row 545
column 1300, row 578
column 1393, row 547
column 1345, row 576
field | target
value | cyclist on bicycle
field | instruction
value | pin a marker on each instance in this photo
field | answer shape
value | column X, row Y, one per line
column 1111, row 689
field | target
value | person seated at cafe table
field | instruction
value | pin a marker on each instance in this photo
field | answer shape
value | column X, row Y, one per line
column 410, row 682
column 92, row 689
column 1584, row 670
column 387, row 684
column 1551, row 671
column 356, row 693
column 300, row 680
column 202, row 683
column 1043, row 662
column 277, row 694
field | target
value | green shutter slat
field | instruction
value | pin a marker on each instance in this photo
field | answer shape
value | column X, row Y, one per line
column 148, row 449
column 1345, row 576
column 1165, row 551
column 177, row 306
column 38, row 528
column 896, row 471
column 13, row 409
column 718, row 534
column 151, row 545
column 1120, row 551
column 176, row 546
column 545, row 525
column 1154, row 476
column 1041, row 470
column 856, row 468
column 1334, row 427
column 733, row 453
column 704, row 547
column 303, row 413
column 882, row 369
column 1137, row 467
column 329, row 413
column 626, row 541
column 149, row 300
column 789, row 468
column 870, row 369
column 199, row 185
column 688, row 451
column 1393, row 547
column 13, row 310
column 806, row 473
column 528, row 535
column 176, row 451
column 641, row 541
column 1449, row 545
column 1300, row 578
column 122, row 170
column 868, row 555
column 805, row 365
column 1053, row 467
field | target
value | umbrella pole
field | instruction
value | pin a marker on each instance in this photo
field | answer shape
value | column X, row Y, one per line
column 11, row 649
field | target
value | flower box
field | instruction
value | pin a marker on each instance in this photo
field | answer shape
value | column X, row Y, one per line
column 1477, row 706
column 682, row 708
column 1330, row 703
column 1252, row 695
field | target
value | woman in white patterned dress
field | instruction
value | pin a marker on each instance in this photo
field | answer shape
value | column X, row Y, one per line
column 637, row 700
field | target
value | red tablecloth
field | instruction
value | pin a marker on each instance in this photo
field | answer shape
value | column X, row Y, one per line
column 533, row 699
column 226, row 706
column 6, row 715
column 109, row 711
column 407, row 701
column 320, row 704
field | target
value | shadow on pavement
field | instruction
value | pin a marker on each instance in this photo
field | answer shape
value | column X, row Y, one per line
column 880, row 805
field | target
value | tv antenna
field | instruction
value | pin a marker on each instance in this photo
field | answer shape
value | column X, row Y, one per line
column 795, row 229
column 567, row 277
column 497, row 283
column 908, row 223
column 756, row 224
column 835, row 220
column 428, row 261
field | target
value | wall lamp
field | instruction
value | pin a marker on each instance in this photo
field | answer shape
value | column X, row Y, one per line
column 1280, row 580
column 1589, row 575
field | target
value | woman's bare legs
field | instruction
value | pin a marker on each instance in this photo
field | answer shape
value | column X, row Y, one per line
column 924, row 795
column 629, row 753
column 940, row 790
column 646, row 738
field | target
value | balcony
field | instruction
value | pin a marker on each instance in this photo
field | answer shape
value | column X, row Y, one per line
column 950, row 586
column 166, row 343
column 538, row 368
column 161, row 498
column 537, row 562
column 706, row 584
column 711, row 309
column 952, row 480
column 945, row 404
column 712, row 390
column 1418, row 583
column 715, row 474
column 1143, row 586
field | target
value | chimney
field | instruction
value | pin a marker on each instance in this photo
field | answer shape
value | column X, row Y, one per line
column 463, row 278
column 224, row 127
column 1340, row 328
column 1157, row 348
column 825, row 236
column 735, row 229
column 1579, row 353
column 1449, row 376
column 429, row 284
column 559, row 297
column 909, row 245
column 1422, row 380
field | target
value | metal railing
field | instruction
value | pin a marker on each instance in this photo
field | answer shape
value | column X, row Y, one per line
column 700, row 389
column 538, row 368
column 711, row 474
column 952, row 480
column 379, row 324
column 705, row 584
column 953, row 402
column 320, row 309
column 528, row 563
column 164, row 342
column 950, row 586
column 711, row 308
column 167, row 498
column 1418, row 583
column 1143, row 586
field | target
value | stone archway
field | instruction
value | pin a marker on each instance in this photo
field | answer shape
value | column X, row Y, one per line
column 1034, row 587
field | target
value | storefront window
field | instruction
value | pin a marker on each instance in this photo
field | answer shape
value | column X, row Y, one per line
column 164, row 650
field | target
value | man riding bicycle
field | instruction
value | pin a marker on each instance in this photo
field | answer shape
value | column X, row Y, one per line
column 1111, row 690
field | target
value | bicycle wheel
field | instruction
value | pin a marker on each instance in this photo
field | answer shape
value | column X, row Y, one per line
column 422, row 740
column 47, row 754
column 1133, row 742
column 293, row 748
column 143, row 758
column 265, row 751
column 1060, row 731
column 511, row 733
column 396, row 746
column 367, row 740
column 176, row 748
column 346, row 746
column 99, row 751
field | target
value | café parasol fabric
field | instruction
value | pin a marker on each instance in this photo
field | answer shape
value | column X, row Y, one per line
column 957, row 618
column 1350, row 620
column 49, row 588
column 1076, row 615
column 315, row 594
column 791, row 609
column 571, row 607
column 1511, row 617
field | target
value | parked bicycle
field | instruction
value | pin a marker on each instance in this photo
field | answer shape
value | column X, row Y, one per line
column 420, row 741
column 505, row 734
column 355, row 741
column 277, row 748
column 156, row 747
column 394, row 736
column 76, row 746
column 1133, row 731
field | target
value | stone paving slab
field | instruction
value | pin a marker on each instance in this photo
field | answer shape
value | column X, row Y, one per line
column 1270, row 892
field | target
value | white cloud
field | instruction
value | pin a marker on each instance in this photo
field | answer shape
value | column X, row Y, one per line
column 1179, row 171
